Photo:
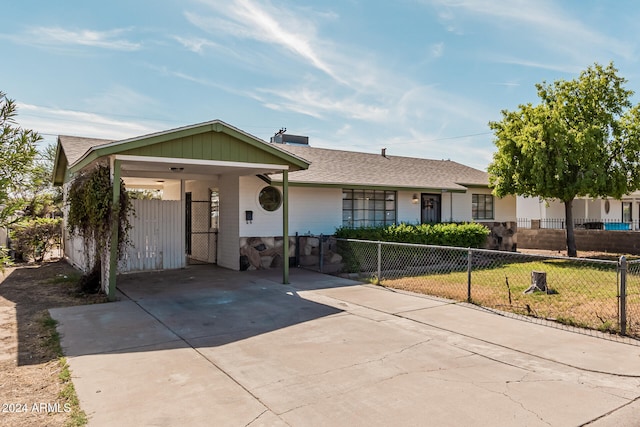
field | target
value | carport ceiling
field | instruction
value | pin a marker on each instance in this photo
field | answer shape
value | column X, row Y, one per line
column 166, row 168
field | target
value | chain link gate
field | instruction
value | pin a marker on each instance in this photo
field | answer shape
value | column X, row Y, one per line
column 201, row 231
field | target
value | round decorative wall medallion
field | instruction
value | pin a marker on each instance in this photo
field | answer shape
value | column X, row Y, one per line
column 606, row 206
column 270, row 198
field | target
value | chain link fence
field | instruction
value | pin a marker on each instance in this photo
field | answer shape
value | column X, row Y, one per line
column 599, row 295
column 201, row 238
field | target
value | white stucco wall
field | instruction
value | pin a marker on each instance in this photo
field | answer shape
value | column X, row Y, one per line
column 200, row 189
column 311, row 210
column 457, row 207
column 171, row 190
column 407, row 211
column 319, row 210
column 505, row 209
column 529, row 207
column 615, row 210
column 314, row 211
column 546, row 209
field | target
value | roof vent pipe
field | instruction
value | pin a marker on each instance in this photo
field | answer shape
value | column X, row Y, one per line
column 384, row 152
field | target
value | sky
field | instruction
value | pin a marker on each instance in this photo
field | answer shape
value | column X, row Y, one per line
column 421, row 78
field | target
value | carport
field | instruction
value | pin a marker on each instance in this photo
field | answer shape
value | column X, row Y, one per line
column 171, row 160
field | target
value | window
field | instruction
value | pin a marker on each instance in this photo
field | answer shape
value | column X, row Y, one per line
column 270, row 199
column 626, row 211
column 366, row 208
column 214, row 208
column 481, row 206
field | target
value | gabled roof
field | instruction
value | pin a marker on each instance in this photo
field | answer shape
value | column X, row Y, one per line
column 348, row 168
column 75, row 147
column 75, row 153
column 69, row 150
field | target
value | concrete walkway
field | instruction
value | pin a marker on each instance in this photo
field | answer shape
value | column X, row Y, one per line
column 206, row 346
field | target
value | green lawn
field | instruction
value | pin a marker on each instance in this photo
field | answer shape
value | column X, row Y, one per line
column 581, row 293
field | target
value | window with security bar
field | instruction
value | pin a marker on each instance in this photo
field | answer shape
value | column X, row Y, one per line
column 481, row 206
column 366, row 208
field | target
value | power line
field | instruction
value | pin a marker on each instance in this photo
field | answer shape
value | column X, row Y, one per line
column 444, row 139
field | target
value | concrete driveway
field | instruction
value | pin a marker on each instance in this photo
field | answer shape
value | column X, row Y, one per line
column 207, row 346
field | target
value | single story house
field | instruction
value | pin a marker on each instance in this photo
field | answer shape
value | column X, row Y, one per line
column 589, row 213
column 226, row 194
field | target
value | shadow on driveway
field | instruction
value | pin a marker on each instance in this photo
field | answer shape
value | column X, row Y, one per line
column 247, row 350
column 212, row 305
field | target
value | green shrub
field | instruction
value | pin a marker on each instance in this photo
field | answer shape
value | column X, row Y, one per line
column 5, row 259
column 32, row 239
column 464, row 235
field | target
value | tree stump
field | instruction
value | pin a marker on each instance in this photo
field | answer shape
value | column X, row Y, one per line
column 538, row 282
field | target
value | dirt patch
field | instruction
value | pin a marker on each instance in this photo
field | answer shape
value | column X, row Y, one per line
column 30, row 386
column 581, row 254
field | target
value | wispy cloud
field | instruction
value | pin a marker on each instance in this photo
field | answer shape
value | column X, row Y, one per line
column 507, row 84
column 266, row 23
column 196, row 44
column 563, row 68
column 318, row 104
column 118, row 99
column 198, row 80
column 58, row 121
column 294, row 46
column 437, row 50
column 334, row 82
column 60, row 37
column 543, row 20
column 429, row 104
column 292, row 38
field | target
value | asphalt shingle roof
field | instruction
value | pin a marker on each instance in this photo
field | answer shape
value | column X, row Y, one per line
column 75, row 147
column 355, row 168
column 346, row 167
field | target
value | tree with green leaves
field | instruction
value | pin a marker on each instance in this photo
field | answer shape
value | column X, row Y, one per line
column 17, row 153
column 18, row 149
column 581, row 140
column 39, row 197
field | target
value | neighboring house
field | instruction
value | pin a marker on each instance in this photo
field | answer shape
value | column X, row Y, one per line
column 607, row 214
column 229, row 197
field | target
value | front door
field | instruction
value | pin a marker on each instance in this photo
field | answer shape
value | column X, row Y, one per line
column 430, row 208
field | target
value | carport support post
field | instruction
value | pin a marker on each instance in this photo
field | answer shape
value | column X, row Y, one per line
column 113, row 241
column 285, row 227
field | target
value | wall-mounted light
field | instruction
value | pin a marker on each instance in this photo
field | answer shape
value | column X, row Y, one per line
column 415, row 199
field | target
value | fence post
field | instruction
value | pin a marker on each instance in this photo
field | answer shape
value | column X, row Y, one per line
column 469, row 264
column 321, row 253
column 622, row 302
column 379, row 261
